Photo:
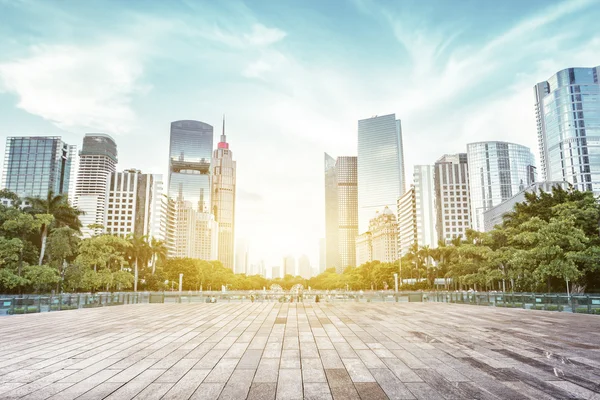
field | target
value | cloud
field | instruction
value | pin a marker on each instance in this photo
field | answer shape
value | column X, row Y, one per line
column 263, row 36
column 78, row 86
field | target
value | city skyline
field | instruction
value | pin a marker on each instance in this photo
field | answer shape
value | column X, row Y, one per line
column 477, row 86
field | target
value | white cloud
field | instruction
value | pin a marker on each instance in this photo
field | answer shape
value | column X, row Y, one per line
column 263, row 36
column 87, row 87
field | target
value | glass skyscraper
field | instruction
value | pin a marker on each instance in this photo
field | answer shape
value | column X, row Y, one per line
column 380, row 166
column 497, row 171
column 567, row 109
column 195, row 231
column 35, row 165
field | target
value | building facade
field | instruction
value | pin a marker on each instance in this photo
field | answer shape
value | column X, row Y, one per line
column 341, row 211
column 452, row 198
column 380, row 166
column 190, row 156
column 497, row 171
column 97, row 160
column 304, row 268
column 494, row 216
column 36, row 165
column 380, row 242
column 567, row 108
column 223, row 199
column 133, row 205
column 424, row 187
column 242, row 257
column 364, row 248
column 407, row 221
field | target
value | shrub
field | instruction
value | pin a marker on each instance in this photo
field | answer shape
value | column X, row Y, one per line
column 21, row 310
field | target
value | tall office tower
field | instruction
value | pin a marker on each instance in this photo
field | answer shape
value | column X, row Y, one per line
column 304, row 269
column 223, row 198
column 133, row 204
column 380, row 166
column 97, row 159
column 347, row 191
column 424, row 187
column 195, row 229
column 289, row 266
column 331, row 214
column 407, row 221
column 341, row 211
column 568, row 123
column 452, row 200
column 322, row 255
column 35, row 165
column 497, row 171
column 242, row 254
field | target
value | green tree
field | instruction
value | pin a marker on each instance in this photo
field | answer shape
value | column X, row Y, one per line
column 62, row 215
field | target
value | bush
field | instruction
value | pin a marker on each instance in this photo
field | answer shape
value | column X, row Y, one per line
column 584, row 310
column 92, row 305
column 548, row 307
column 62, row 307
column 508, row 305
column 21, row 310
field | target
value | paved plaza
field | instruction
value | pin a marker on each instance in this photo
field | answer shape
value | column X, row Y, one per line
column 294, row 351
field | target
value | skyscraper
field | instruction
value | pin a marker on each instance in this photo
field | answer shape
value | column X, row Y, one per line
column 341, row 211
column 452, row 200
column 289, row 265
column 497, row 171
column 97, row 159
column 407, row 221
column 304, row 269
column 242, row 255
column 331, row 214
column 223, row 198
column 380, row 166
column 195, row 229
column 424, row 187
column 133, row 205
column 567, row 109
column 35, row 165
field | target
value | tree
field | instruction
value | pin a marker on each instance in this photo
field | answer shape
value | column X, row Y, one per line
column 138, row 251
column 60, row 210
column 159, row 252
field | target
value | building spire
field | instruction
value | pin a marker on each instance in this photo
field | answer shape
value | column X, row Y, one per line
column 223, row 142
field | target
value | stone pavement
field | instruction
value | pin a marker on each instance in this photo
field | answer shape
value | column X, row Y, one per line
column 293, row 351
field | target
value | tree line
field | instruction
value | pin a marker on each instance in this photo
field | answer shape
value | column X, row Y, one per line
column 547, row 242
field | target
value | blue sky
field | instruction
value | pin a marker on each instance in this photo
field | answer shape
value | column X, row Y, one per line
column 293, row 78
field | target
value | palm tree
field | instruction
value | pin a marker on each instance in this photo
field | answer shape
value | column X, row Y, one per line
column 159, row 252
column 139, row 251
column 60, row 209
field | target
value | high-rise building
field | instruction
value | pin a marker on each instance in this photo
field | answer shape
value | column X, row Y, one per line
column 304, row 269
column 341, row 211
column 97, row 159
column 133, row 205
column 36, row 165
column 242, row 254
column 347, row 191
column 275, row 272
column 567, row 109
column 190, row 154
column 223, row 198
column 331, row 214
column 407, row 221
column 322, row 256
column 497, row 171
column 380, row 166
column 424, row 188
column 289, row 265
column 452, row 200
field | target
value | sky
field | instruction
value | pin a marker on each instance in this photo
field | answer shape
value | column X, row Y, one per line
column 292, row 77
